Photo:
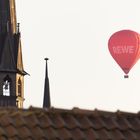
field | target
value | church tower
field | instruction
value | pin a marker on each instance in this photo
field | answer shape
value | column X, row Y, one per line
column 11, row 66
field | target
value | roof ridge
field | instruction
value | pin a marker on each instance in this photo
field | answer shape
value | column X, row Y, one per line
column 76, row 111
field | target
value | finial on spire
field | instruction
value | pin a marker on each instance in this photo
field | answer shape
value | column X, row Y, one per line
column 46, row 58
column 18, row 27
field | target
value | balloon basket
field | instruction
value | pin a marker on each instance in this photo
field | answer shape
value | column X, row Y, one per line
column 126, row 76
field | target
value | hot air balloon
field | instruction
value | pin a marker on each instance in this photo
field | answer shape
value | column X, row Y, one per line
column 124, row 46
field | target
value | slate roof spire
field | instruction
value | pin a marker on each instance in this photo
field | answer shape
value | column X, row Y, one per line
column 46, row 102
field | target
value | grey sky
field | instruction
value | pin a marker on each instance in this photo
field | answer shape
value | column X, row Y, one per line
column 74, row 34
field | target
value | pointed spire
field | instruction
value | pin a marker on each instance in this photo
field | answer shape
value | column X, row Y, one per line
column 46, row 102
column 18, row 27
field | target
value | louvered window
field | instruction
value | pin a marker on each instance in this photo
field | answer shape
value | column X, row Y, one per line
column 6, row 86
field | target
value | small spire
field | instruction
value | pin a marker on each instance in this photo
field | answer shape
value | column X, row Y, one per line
column 18, row 27
column 46, row 102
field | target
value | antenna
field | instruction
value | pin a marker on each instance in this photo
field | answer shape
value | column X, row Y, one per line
column 46, row 100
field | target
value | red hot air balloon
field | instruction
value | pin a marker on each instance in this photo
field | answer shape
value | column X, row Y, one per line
column 124, row 47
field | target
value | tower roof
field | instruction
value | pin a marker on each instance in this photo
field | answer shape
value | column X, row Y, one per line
column 7, row 62
column 10, row 43
column 10, row 57
column 7, row 15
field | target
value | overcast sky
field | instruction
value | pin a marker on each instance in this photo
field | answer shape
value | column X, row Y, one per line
column 74, row 35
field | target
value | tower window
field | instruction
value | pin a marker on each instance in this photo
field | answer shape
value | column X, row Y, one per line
column 6, row 86
column 19, row 87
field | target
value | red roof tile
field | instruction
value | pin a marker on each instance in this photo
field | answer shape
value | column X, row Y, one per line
column 61, row 124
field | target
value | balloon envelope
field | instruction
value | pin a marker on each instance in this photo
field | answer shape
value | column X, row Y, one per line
column 124, row 47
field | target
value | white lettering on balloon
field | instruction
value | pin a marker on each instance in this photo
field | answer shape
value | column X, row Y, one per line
column 123, row 49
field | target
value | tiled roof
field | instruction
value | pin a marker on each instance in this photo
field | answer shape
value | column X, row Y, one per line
column 61, row 124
